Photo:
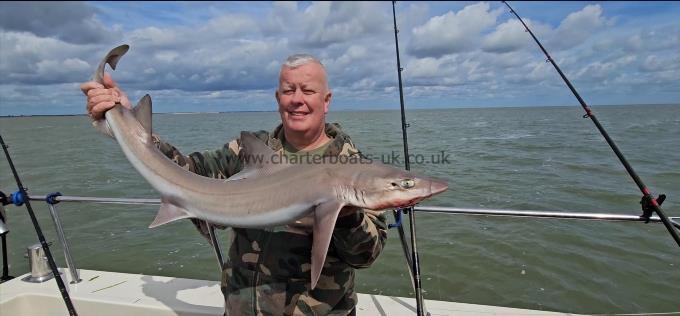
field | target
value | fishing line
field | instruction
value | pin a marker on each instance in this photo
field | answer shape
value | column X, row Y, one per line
column 649, row 203
column 41, row 237
column 413, row 262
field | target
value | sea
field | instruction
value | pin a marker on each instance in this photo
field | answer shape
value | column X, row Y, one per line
column 526, row 158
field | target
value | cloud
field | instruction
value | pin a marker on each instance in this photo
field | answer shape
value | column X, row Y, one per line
column 155, row 37
column 452, row 32
column 41, row 99
column 602, row 70
column 352, row 20
column 227, row 56
column 578, row 26
column 511, row 36
column 508, row 36
column 230, row 25
column 360, row 62
column 323, row 24
column 61, row 67
column 654, row 63
column 73, row 22
column 29, row 59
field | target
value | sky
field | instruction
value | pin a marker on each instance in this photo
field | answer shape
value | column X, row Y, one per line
column 225, row 56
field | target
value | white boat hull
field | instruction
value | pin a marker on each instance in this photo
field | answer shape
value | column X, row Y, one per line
column 104, row 293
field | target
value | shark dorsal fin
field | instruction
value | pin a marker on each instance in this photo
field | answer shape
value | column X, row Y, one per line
column 143, row 112
column 257, row 158
column 254, row 147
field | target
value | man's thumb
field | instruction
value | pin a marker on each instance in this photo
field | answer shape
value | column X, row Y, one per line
column 108, row 81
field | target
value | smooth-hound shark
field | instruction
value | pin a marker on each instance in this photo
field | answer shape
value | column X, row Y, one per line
column 267, row 192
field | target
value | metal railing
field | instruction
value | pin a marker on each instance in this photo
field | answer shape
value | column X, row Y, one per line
column 543, row 214
column 425, row 209
column 75, row 277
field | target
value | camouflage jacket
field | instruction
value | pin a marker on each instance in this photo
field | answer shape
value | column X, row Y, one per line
column 268, row 271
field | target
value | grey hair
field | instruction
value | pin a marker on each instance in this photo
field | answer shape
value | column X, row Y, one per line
column 298, row 60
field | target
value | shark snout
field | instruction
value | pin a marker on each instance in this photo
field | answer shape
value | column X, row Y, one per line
column 438, row 186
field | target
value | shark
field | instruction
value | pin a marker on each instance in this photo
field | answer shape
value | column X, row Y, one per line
column 268, row 191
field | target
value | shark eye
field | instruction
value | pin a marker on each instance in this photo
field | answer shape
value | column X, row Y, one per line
column 407, row 183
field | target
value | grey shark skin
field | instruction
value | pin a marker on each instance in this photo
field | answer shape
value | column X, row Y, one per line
column 267, row 192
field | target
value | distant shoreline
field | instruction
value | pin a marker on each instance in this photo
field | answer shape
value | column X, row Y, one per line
column 158, row 113
column 365, row 110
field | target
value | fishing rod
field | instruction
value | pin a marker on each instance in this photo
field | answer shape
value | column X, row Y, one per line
column 421, row 209
column 414, row 262
column 398, row 213
column 649, row 203
column 41, row 237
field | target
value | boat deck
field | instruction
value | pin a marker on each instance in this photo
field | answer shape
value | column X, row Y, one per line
column 108, row 293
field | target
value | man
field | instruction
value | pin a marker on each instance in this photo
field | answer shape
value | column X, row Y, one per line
column 268, row 271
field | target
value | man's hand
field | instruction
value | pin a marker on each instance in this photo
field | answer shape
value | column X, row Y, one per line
column 101, row 98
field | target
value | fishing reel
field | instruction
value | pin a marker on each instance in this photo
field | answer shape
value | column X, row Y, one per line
column 647, row 203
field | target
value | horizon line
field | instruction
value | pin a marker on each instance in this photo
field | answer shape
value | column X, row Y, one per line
column 372, row 109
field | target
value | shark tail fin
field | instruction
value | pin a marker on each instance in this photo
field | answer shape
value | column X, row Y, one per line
column 325, row 216
column 115, row 54
column 112, row 59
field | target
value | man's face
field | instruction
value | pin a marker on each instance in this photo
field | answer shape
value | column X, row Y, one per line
column 303, row 97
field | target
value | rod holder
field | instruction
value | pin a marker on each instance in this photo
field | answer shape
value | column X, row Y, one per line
column 40, row 269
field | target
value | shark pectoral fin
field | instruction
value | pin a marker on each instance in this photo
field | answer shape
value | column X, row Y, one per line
column 168, row 213
column 143, row 111
column 324, row 222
